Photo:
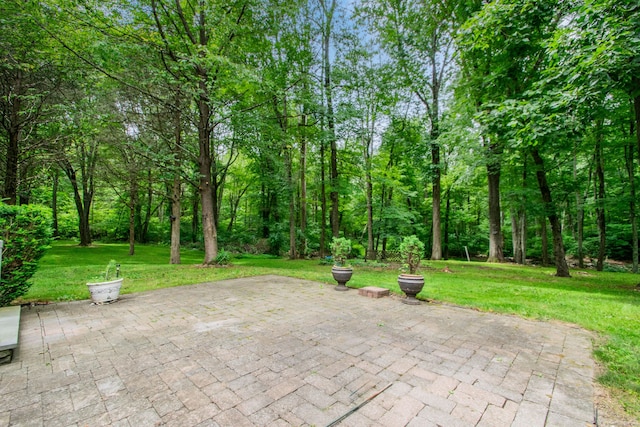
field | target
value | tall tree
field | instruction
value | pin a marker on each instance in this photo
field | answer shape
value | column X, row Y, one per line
column 187, row 39
column 502, row 53
column 596, row 52
column 286, row 73
column 328, row 14
column 77, row 153
column 419, row 37
column 200, row 47
column 29, row 77
column 366, row 93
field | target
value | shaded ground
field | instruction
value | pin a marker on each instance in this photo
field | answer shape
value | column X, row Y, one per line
column 280, row 351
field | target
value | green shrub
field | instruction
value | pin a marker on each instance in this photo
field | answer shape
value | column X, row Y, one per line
column 340, row 249
column 277, row 239
column 223, row 257
column 368, row 263
column 357, row 251
column 412, row 250
column 26, row 233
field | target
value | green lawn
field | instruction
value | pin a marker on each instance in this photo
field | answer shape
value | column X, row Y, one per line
column 607, row 303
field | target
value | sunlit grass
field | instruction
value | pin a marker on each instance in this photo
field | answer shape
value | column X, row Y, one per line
column 607, row 303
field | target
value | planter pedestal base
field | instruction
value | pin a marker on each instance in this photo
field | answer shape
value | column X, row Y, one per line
column 411, row 301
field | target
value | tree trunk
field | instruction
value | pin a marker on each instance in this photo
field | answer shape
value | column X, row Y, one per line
column 303, row 183
column 514, row 233
column 219, row 177
column 636, row 126
column 387, row 203
column 13, row 128
column 90, row 157
column 85, row 228
column 83, row 216
column 496, row 241
column 195, row 207
column 447, row 211
column 11, row 169
column 335, row 212
column 209, row 231
column 580, row 237
column 233, row 209
column 54, row 202
column 133, row 202
column 579, row 214
column 519, row 224
column 144, row 226
column 323, row 201
column 176, row 188
column 544, row 237
column 562, row 269
column 326, row 56
column 216, row 189
column 518, row 234
column 367, row 154
column 369, row 195
column 234, row 203
column 599, row 197
column 522, row 244
column 176, row 214
column 635, row 80
column 265, row 210
column 436, row 247
column 632, row 204
column 87, row 157
column 292, row 205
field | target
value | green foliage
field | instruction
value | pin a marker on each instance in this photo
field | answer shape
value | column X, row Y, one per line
column 26, row 232
column 223, row 258
column 412, row 250
column 368, row 263
column 113, row 268
column 357, row 251
column 340, row 250
column 623, row 364
column 614, row 268
column 277, row 239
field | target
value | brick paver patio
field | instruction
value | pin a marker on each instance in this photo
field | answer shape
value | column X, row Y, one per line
column 276, row 351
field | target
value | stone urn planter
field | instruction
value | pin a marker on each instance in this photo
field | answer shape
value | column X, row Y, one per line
column 341, row 271
column 411, row 285
column 107, row 288
column 341, row 275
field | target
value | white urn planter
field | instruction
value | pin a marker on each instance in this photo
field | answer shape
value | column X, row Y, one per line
column 103, row 292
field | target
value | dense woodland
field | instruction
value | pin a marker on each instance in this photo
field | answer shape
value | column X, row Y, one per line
column 507, row 128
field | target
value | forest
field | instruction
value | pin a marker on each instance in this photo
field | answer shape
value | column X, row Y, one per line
column 505, row 129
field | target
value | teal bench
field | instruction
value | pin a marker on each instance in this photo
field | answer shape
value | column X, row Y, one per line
column 9, row 332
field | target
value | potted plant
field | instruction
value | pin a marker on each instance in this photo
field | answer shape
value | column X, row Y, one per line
column 107, row 289
column 341, row 271
column 411, row 283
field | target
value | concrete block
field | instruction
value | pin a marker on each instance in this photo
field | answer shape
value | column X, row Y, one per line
column 373, row 292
